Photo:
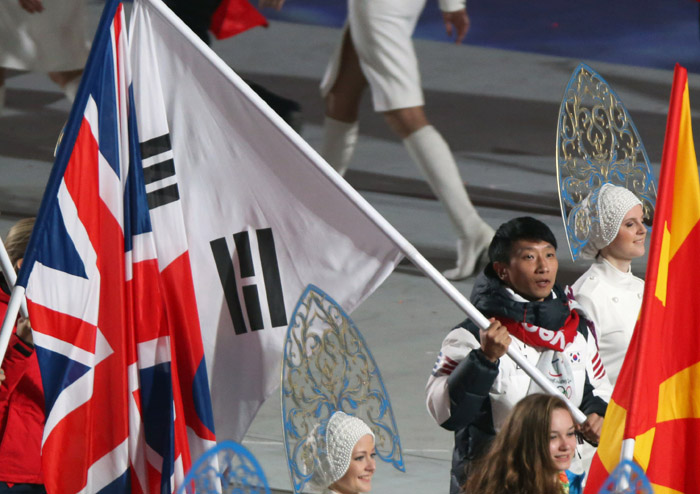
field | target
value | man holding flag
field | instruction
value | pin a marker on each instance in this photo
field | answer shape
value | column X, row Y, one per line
column 654, row 416
column 474, row 385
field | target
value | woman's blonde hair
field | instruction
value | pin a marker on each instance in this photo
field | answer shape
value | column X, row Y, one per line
column 18, row 238
column 519, row 460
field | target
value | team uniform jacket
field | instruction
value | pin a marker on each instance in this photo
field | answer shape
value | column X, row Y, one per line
column 469, row 394
column 21, row 412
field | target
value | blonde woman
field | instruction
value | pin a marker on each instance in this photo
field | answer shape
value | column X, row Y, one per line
column 347, row 464
column 608, row 291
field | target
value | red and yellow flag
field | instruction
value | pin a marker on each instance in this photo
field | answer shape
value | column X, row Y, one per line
column 656, row 400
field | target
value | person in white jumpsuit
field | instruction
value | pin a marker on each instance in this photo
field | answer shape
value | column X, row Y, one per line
column 46, row 37
column 376, row 50
column 608, row 291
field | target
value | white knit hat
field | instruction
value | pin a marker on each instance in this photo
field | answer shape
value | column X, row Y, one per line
column 342, row 433
column 609, row 210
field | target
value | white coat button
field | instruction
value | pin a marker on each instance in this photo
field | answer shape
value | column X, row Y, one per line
column 591, row 277
column 639, row 295
column 615, row 299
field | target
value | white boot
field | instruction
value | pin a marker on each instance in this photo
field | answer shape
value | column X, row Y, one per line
column 71, row 89
column 2, row 98
column 339, row 139
column 434, row 158
column 472, row 253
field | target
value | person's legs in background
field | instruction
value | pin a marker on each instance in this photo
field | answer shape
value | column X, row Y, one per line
column 432, row 154
column 425, row 145
column 377, row 51
column 340, row 126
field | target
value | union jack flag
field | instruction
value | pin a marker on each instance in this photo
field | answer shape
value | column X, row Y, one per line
column 106, row 321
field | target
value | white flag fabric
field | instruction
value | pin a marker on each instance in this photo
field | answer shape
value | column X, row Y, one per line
column 264, row 215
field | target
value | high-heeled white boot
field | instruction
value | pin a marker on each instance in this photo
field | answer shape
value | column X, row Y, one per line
column 472, row 252
column 339, row 140
column 434, row 158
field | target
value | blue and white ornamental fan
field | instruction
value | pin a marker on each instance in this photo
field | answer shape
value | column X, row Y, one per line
column 597, row 143
column 328, row 367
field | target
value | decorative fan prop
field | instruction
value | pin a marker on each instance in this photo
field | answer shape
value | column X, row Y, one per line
column 227, row 468
column 597, row 143
column 627, row 478
column 328, row 367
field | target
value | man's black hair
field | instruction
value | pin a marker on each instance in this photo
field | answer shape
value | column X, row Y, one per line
column 523, row 228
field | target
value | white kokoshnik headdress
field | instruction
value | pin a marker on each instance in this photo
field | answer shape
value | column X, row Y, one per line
column 607, row 208
column 598, row 144
column 332, row 395
column 342, row 433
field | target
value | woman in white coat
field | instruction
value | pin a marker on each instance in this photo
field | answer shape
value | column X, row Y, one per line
column 608, row 291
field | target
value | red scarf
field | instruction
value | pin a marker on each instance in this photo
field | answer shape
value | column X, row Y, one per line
column 542, row 337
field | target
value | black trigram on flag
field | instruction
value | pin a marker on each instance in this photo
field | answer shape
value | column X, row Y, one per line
column 159, row 171
column 249, row 280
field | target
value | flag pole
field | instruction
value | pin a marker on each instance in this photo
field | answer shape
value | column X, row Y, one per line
column 408, row 250
column 16, row 300
column 627, row 450
column 10, row 276
column 626, row 454
column 17, row 303
column 6, row 265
